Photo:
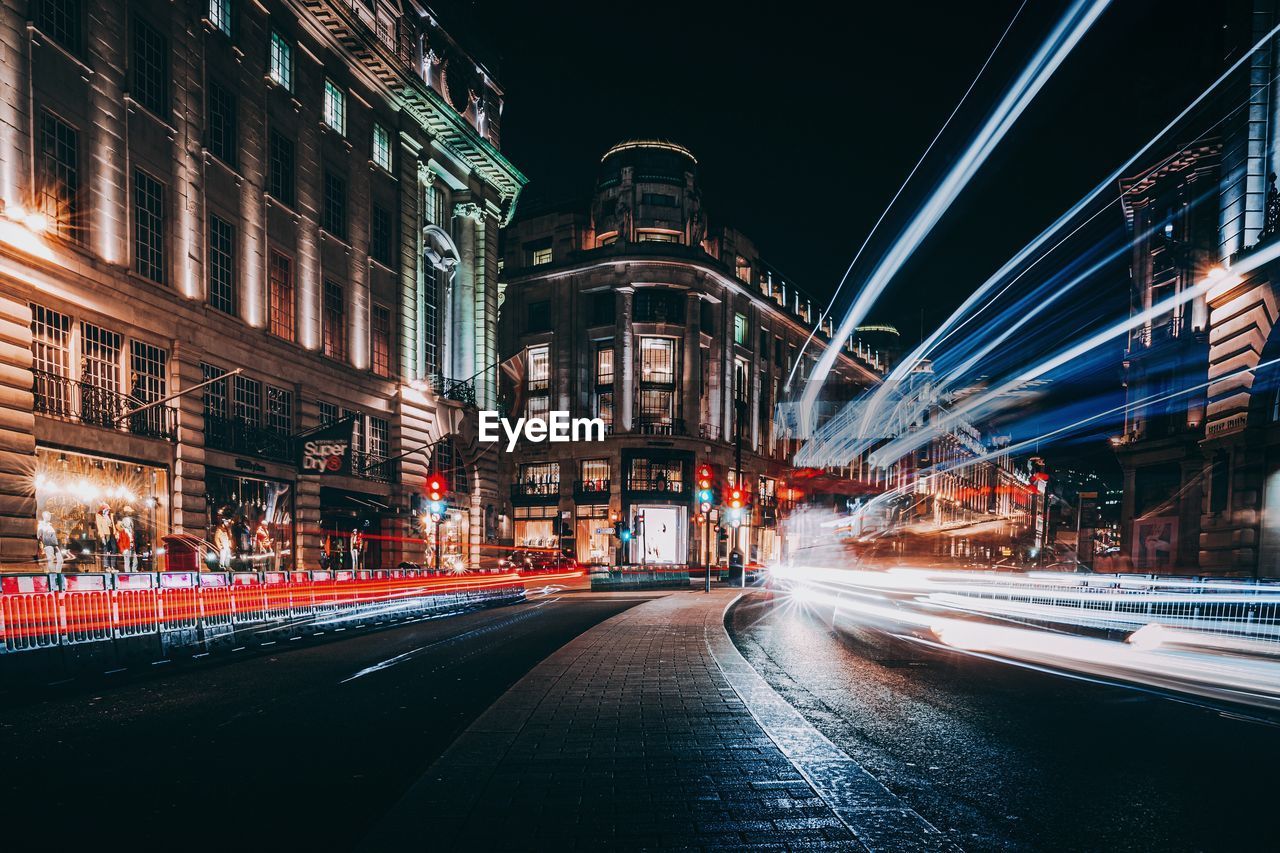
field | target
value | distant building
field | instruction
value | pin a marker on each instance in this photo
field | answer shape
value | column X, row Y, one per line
column 633, row 308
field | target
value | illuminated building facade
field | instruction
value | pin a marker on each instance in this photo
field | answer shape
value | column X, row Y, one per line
column 307, row 193
column 1172, row 220
column 633, row 308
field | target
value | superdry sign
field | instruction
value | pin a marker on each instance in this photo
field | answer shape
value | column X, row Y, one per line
column 328, row 450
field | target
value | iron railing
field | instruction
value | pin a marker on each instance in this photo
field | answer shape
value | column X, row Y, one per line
column 375, row 467
column 532, row 489
column 659, row 426
column 590, row 487
column 458, row 390
column 236, row 436
column 61, row 397
column 658, row 485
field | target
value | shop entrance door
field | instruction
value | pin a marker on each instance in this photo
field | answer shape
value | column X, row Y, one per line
column 662, row 540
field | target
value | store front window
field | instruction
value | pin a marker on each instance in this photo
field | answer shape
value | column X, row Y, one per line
column 96, row 514
column 594, row 535
column 659, row 534
column 536, row 527
column 251, row 523
column 454, row 541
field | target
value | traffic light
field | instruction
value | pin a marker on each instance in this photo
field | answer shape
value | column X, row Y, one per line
column 706, row 487
column 437, row 490
column 737, row 498
column 737, row 503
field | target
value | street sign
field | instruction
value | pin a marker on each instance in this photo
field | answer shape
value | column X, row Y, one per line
column 604, row 531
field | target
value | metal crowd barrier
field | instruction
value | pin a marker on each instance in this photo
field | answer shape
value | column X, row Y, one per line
column 154, row 614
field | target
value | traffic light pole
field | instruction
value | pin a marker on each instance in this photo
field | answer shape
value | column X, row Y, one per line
column 438, row 520
column 706, row 541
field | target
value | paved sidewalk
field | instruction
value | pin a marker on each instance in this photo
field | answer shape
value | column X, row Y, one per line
column 649, row 731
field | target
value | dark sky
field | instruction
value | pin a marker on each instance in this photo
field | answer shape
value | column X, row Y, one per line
column 805, row 118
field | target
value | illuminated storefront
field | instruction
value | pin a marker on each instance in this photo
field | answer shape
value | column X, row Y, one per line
column 107, row 514
column 251, row 523
column 536, row 526
column 594, row 535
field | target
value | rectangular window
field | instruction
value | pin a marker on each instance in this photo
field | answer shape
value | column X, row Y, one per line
column 541, row 256
column 604, row 363
column 658, row 305
column 62, row 21
column 335, row 205
column 381, row 147
column 148, row 226
column 539, row 316
column 51, row 360
column 706, row 319
column 380, row 235
column 148, row 365
column 280, row 177
column 334, row 321
column 656, row 407
column 434, row 281
column 280, row 295
column 436, row 206
column 594, row 472
column 658, row 199
column 658, row 360
column 150, row 68
column 541, row 474
column 740, row 329
column 222, row 277
column 539, row 406
column 247, row 401
column 279, row 410
column 742, row 268
column 335, row 107
column 59, row 167
column 645, row 236
column 216, row 404
column 604, row 409
column 380, row 340
column 100, row 351
column 223, row 139
column 328, row 412
column 281, row 61
column 379, row 438
column 220, row 15
column 539, row 367
column 741, row 374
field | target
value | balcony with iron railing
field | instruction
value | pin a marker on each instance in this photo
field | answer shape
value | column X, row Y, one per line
column 666, row 486
column 590, row 488
column 459, row 390
column 658, row 425
column 83, row 402
column 375, row 467
column 234, row 435
column 535, row 491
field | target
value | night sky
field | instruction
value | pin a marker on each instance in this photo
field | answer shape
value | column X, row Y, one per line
column 806, row 119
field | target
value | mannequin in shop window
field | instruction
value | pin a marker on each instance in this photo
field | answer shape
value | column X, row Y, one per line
column 104, row 525
column 126, row 541
column 224, row 544
column 357, row 548
column 47, row 536
column 263, row 547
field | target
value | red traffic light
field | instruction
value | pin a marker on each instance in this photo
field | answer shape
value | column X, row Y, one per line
column 706, row 475
column 735, row 499
column 436, row 487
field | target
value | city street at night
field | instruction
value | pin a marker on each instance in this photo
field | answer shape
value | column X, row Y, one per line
column 1003, row 758
column 287, row 748
column 470, row 425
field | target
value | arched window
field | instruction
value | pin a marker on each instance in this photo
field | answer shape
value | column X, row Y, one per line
column 439, row 263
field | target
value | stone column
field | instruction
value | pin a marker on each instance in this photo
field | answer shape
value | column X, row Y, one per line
column 624, row 370
column 690, row 408
column 17, row 437
column 190, row 511
column 467, row 294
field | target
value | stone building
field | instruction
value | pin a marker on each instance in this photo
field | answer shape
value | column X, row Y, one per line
column 674, row 331
column 306, row 192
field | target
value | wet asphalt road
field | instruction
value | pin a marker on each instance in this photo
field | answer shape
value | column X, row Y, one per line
column 1002, row 758
column 281, row 750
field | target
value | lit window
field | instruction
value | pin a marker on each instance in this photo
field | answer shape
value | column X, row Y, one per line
column 380, row 343
column 280, row 295
column 541, row 256
column 539, row 367
column 220, row 15
column 743, row 269
column 643, row 236
column 657, row 360
column 740, row 329
column 381, row 147
column 335, row 107
column 281, row 61
column 604, row 364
